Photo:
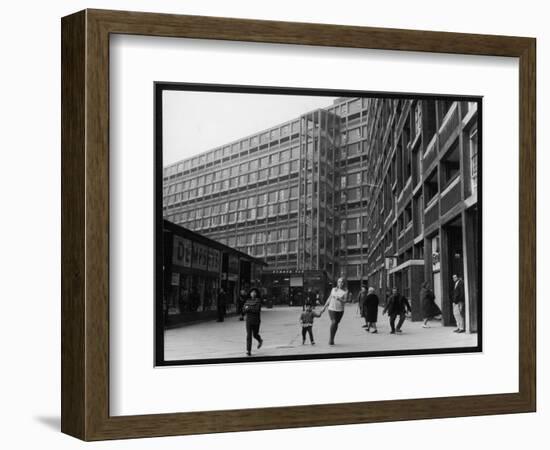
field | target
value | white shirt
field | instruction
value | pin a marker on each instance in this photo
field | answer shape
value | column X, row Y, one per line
column 337, row 298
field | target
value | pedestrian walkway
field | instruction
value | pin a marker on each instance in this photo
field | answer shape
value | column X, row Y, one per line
column 281, row 332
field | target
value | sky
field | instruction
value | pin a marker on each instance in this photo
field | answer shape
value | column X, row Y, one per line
column 197, row 121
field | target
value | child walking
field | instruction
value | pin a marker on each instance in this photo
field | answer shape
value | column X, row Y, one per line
column 306, row 319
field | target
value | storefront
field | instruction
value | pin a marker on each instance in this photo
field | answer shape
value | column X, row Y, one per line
column 295, row 287
column 195, row 269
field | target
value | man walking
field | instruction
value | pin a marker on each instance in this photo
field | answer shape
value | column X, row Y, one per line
column 397, row 306
column 252, row 310
column 457, row 297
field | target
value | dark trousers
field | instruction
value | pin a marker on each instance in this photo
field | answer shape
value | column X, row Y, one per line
column 221, row 313
column 307, row 330
column 252, row 329
column 400, row 323
column 335, row 318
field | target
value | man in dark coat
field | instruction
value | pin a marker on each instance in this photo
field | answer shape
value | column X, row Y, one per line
column 397, row 306
column 252, row 310
column 222, row 301
column 457, row 297
column 371, row 310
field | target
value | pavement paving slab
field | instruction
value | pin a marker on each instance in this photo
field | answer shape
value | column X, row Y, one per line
column 281, row 332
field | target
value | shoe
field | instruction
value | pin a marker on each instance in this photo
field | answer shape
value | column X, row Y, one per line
column 425, row 326
column 399, row 331
column 375, row 331
column 241, row 318
column 456, row 331
column 461, row 331
column 248, row 353
column 312, row 343
column 303, row 342
column 364, row 326
column 392, row 332
column 331, row 343
column 260, row 343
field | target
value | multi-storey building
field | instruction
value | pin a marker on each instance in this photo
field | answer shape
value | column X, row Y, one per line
column 373, row 189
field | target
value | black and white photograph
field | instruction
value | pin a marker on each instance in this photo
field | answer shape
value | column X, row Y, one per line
column 296, row 224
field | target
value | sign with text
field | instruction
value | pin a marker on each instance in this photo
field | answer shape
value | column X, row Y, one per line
column 181, row 253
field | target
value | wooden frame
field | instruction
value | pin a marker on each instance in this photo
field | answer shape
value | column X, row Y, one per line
column 85, row 224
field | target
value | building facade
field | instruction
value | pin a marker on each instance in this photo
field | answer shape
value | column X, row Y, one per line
column 196, row 268
column 374, row 189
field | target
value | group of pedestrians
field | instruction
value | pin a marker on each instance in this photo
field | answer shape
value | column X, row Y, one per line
column 396, row 307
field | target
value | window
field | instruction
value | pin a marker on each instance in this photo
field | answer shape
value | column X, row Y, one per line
column 354, row 179
column 450, row 165
column 293, row 205
column 274, row 171
column 273, row 196
column 260, row 212
column 354, row 134
column 473, row 158
column 352, row 239
column 285, row 155
column 262, row 199
column 418, row 118
column 431, row 187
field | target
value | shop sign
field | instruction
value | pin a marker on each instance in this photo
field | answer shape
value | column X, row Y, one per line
column 181, row 253
column 296, row 281
column 200, row 256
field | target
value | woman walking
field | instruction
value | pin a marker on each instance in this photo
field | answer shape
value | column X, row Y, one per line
column 429, row 306
column 371, row 310
column 335, row 303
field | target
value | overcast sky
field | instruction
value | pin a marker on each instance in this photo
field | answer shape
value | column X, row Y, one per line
column 197, row 121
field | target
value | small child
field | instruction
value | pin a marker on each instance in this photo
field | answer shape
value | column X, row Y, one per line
column 306, row 319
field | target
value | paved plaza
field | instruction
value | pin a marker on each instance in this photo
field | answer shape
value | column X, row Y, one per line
column 281, row 332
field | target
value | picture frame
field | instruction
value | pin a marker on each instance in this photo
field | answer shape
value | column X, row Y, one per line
column 85, row 224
